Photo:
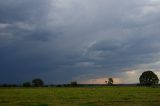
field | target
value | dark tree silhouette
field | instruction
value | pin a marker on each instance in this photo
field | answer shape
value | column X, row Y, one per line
column 37, row 82
column 110, row 81
column 148, row 78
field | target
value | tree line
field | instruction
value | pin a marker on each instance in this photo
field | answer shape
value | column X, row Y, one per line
column 147, row 78
column 37, row 82
column 34, row 83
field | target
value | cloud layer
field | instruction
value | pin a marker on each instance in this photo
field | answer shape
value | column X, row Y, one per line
column 60, row 41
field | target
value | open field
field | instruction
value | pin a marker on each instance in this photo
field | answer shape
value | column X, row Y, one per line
column 80, row 96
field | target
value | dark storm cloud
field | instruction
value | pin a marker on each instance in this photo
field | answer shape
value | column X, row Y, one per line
column 26, row 10
column 61, row 41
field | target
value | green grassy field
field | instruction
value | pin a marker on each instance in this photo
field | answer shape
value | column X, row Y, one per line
column 80, row 96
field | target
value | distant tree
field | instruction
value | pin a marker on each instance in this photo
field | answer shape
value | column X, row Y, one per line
column 110, row 81
column 73, row 83
column 106, row 82
column 148, row 78
column 37, row 82
column 26, row 84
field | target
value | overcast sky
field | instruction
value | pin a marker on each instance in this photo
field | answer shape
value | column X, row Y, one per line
column 78, row 40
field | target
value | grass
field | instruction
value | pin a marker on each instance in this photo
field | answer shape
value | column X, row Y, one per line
column 80, row 96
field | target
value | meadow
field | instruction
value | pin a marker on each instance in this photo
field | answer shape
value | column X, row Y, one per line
column 80, row 96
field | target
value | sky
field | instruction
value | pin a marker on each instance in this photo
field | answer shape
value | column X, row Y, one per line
column 86, row 41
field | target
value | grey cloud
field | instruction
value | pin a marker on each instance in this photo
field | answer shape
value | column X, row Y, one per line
column 26, row 10
column 60, row 41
